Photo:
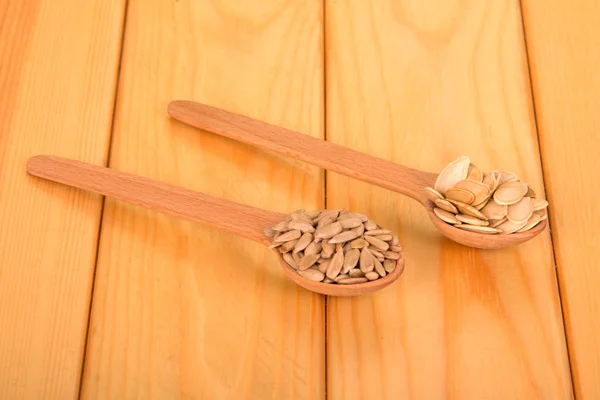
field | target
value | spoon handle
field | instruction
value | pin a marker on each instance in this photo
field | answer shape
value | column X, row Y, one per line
column 214, row 212
column 324, row 154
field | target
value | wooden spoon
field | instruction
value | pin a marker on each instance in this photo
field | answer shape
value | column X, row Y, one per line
column 407, row 181
column 239, row 219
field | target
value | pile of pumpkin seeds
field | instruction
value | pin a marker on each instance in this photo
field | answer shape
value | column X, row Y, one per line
column 494, row 203
column 336, row 246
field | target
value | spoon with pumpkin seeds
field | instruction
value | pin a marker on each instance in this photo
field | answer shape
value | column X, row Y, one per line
column 331, row 252
column 458, row 200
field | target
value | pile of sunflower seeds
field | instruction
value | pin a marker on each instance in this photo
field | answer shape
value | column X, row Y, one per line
column 495, row 202
column 336, row 246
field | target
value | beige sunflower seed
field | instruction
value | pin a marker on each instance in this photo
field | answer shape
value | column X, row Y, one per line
column 313, row 248
column 338, row 246
column 303, row 242
column 287, row 257
column 385, row 238
column 359, row 243
column 379, row 268
column 494, row 210
column 391, row 254
column 301, row 226
column 446, row 205
column 312, row 214
column 397, row 249
column 366, row 261
column 352, row 281
column 327, row 280
column 511, row 227
column 452, row 173
column 377, row 232
column 321, row 260
column 350, row 223
column 539, row 204
column 530, row 192
column 341, row 277
column 375, row 252
column 286, row 237
column 543, row 214
column 335, row 265
column 324, row 265
column 361, row 217
column 379, row 244
column 520, row 211
column 394, row 241
column 355, row 273
column 312, row 274
column 329, row 231
column 479, row 229
column 510, row 193
column 461, row 195
column 467, row 219
column 269, row 232
column 347, row 247
column 494, row 223
column 389, row 265
column 281, row 227
column 328, row 249
column 344, row 237
column 371, row 225
column 533, row 221
column 308, row 261
column 474, row 173
column 446, row 216
column 301, row 217
column 360, row 229
column 350, row 260
column 332, row 215
column 432, row 194
column 479, row 189
column 297, row 257
column 288, row 246
column 372, row 275
column 327, row 220
column 507, row 177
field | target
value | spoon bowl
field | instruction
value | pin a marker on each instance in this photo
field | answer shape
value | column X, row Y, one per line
column 239, row 219
column 481, row 240
column 404, row 180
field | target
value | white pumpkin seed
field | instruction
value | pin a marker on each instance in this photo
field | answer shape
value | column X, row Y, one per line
column 452, row 173
column 464, row 196
column 446, row 205
column 510, row 193
column 520, row 211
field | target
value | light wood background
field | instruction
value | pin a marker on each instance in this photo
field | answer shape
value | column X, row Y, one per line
column 99, row 299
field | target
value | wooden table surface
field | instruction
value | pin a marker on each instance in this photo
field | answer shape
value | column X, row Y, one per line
column 100, row 299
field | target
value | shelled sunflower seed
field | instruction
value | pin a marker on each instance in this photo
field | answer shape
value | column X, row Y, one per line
column 336, row 246
column 493, row 203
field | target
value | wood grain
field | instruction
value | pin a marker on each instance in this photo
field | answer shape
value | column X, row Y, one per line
column 566, row 81
column 58, row 69
column 185, row 311
column 421, row 83
column 158, row 196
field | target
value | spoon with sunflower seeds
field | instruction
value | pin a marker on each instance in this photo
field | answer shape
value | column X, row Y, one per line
column 457, row 200
column 335, row 253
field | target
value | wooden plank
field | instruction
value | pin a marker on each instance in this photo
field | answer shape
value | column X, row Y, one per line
column 181, row 310
column 421, row 83
column 562, row 42
column 58, row 69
